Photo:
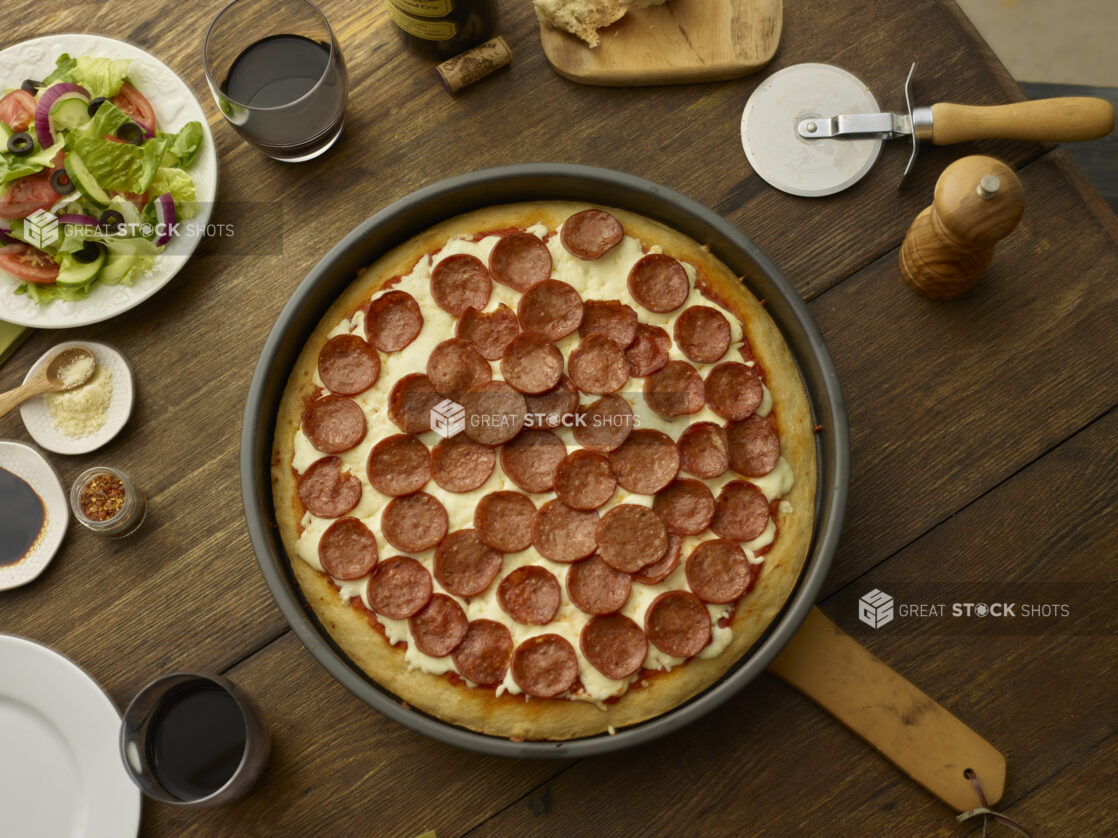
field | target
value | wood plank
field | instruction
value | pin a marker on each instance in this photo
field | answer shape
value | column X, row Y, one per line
column 784, row 767
column 339, row 768
column 946, row 399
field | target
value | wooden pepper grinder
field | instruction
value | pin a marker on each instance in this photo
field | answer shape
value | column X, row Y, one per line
column 978, row 201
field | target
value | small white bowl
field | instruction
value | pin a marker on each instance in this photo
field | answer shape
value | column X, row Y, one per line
column 28, row 464
column 41, row 426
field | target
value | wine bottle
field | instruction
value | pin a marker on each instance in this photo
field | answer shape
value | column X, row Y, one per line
column 442, row 28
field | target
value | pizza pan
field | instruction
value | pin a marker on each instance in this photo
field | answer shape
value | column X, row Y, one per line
column 535, row 182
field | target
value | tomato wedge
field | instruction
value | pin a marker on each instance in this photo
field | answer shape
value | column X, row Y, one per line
column 135, row 105
column 28, row 263
column 28, row 194
column 17, row 110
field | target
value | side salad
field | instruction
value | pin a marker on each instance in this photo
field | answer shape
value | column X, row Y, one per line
column 90, row 188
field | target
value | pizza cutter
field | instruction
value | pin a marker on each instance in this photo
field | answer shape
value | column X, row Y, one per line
column 816, row 129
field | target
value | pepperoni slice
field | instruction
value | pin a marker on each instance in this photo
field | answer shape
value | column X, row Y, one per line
column 334, row 424
column 439, row 627
column 530, row 595
column 591, row 234
column 347, row 550
column 531, row 458
column 648, row 351
column 702, row 333
column 614, row 645
column 597, row 365
column 552, row 307
column 659, row 283
column 718, row 571
column 464, row 565
column 460, row 282
column 733, row 391
column 704, row 450
column 605, row 424
column 646, row 462
column 489, row 331
column 399, row 588
column 503, row 520
column 348, row 365
column 597, row 588
column 520, row 261
column 532, row 363
column 563, row 534
column 610, row 318
column 741, row 513
column 454, row 366
column 459, row 464
column 414, row 522
column 630, row 537
column 324, row 491
column 661, row 569
column 410, row 403
column 686, row 507
column 677, row 623
column 676, row 390
column 584, row 480
column 399, row 465
column 754, row 446
column 483, row 655
column 393, row 321
column 555, row 407
column 495, row 412
column 544, row 666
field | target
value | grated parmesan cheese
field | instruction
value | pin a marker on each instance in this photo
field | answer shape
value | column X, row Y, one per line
column 83, row 410
column 76, row 371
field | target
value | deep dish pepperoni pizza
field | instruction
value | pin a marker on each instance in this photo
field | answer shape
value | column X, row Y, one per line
column 545, row 470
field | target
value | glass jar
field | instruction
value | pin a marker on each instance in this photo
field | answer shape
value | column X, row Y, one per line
column 107, row 501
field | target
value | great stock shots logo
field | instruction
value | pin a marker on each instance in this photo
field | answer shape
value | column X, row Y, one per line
column 41, row 228
column 448, row 418
column 875, row 609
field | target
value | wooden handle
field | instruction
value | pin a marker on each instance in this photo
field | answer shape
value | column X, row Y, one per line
column 14, row 398
column 1069, row 119
column 921, row 738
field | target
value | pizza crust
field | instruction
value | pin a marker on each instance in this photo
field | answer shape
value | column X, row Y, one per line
column 517, row 716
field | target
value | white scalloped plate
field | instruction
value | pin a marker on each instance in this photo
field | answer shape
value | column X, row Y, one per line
column 25, row 462
column 174, row 106
column 36, row 414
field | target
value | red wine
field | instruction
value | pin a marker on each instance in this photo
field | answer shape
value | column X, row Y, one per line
column 273, row 77
column 22, row 516
column 197, row 740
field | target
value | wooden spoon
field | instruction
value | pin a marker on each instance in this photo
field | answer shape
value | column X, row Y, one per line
column 48, row 378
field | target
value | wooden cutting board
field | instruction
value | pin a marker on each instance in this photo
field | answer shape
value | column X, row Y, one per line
column 683, row 41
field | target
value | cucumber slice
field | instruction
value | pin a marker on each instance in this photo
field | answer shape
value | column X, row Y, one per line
column 75, row 273
column 69, row 112
column 85, row 182
column 117, row 267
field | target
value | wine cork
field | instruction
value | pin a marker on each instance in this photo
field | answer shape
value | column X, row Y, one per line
column 474, row 65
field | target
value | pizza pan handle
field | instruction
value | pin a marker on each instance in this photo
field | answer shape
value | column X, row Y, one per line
column 914, row 732
column 1068, row 119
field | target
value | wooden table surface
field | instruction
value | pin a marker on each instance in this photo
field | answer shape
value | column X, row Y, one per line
column 984, row 451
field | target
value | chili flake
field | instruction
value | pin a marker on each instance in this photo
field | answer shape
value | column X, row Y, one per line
column 102, row 497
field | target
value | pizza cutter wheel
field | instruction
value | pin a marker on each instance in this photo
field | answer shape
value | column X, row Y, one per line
column 816, row 129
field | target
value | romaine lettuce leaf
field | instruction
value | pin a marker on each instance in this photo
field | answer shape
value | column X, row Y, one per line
column 185, row 144
column 104, row 123
column 101, row 76
column 181, row 187
column 44, row 294
column 119, row 167
column 12, row 167
column 62, row 70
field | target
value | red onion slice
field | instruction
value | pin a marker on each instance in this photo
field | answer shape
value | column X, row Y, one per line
column 43, row 131
column 164, row 215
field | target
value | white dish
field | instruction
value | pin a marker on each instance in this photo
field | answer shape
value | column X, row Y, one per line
column 25, row 462
column 36, row 414
column 60, row 769
column 174, row 106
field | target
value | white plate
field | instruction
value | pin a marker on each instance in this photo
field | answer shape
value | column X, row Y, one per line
column 25, row 462
column 60, row 769
column 174, row 106
column 37, row 418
